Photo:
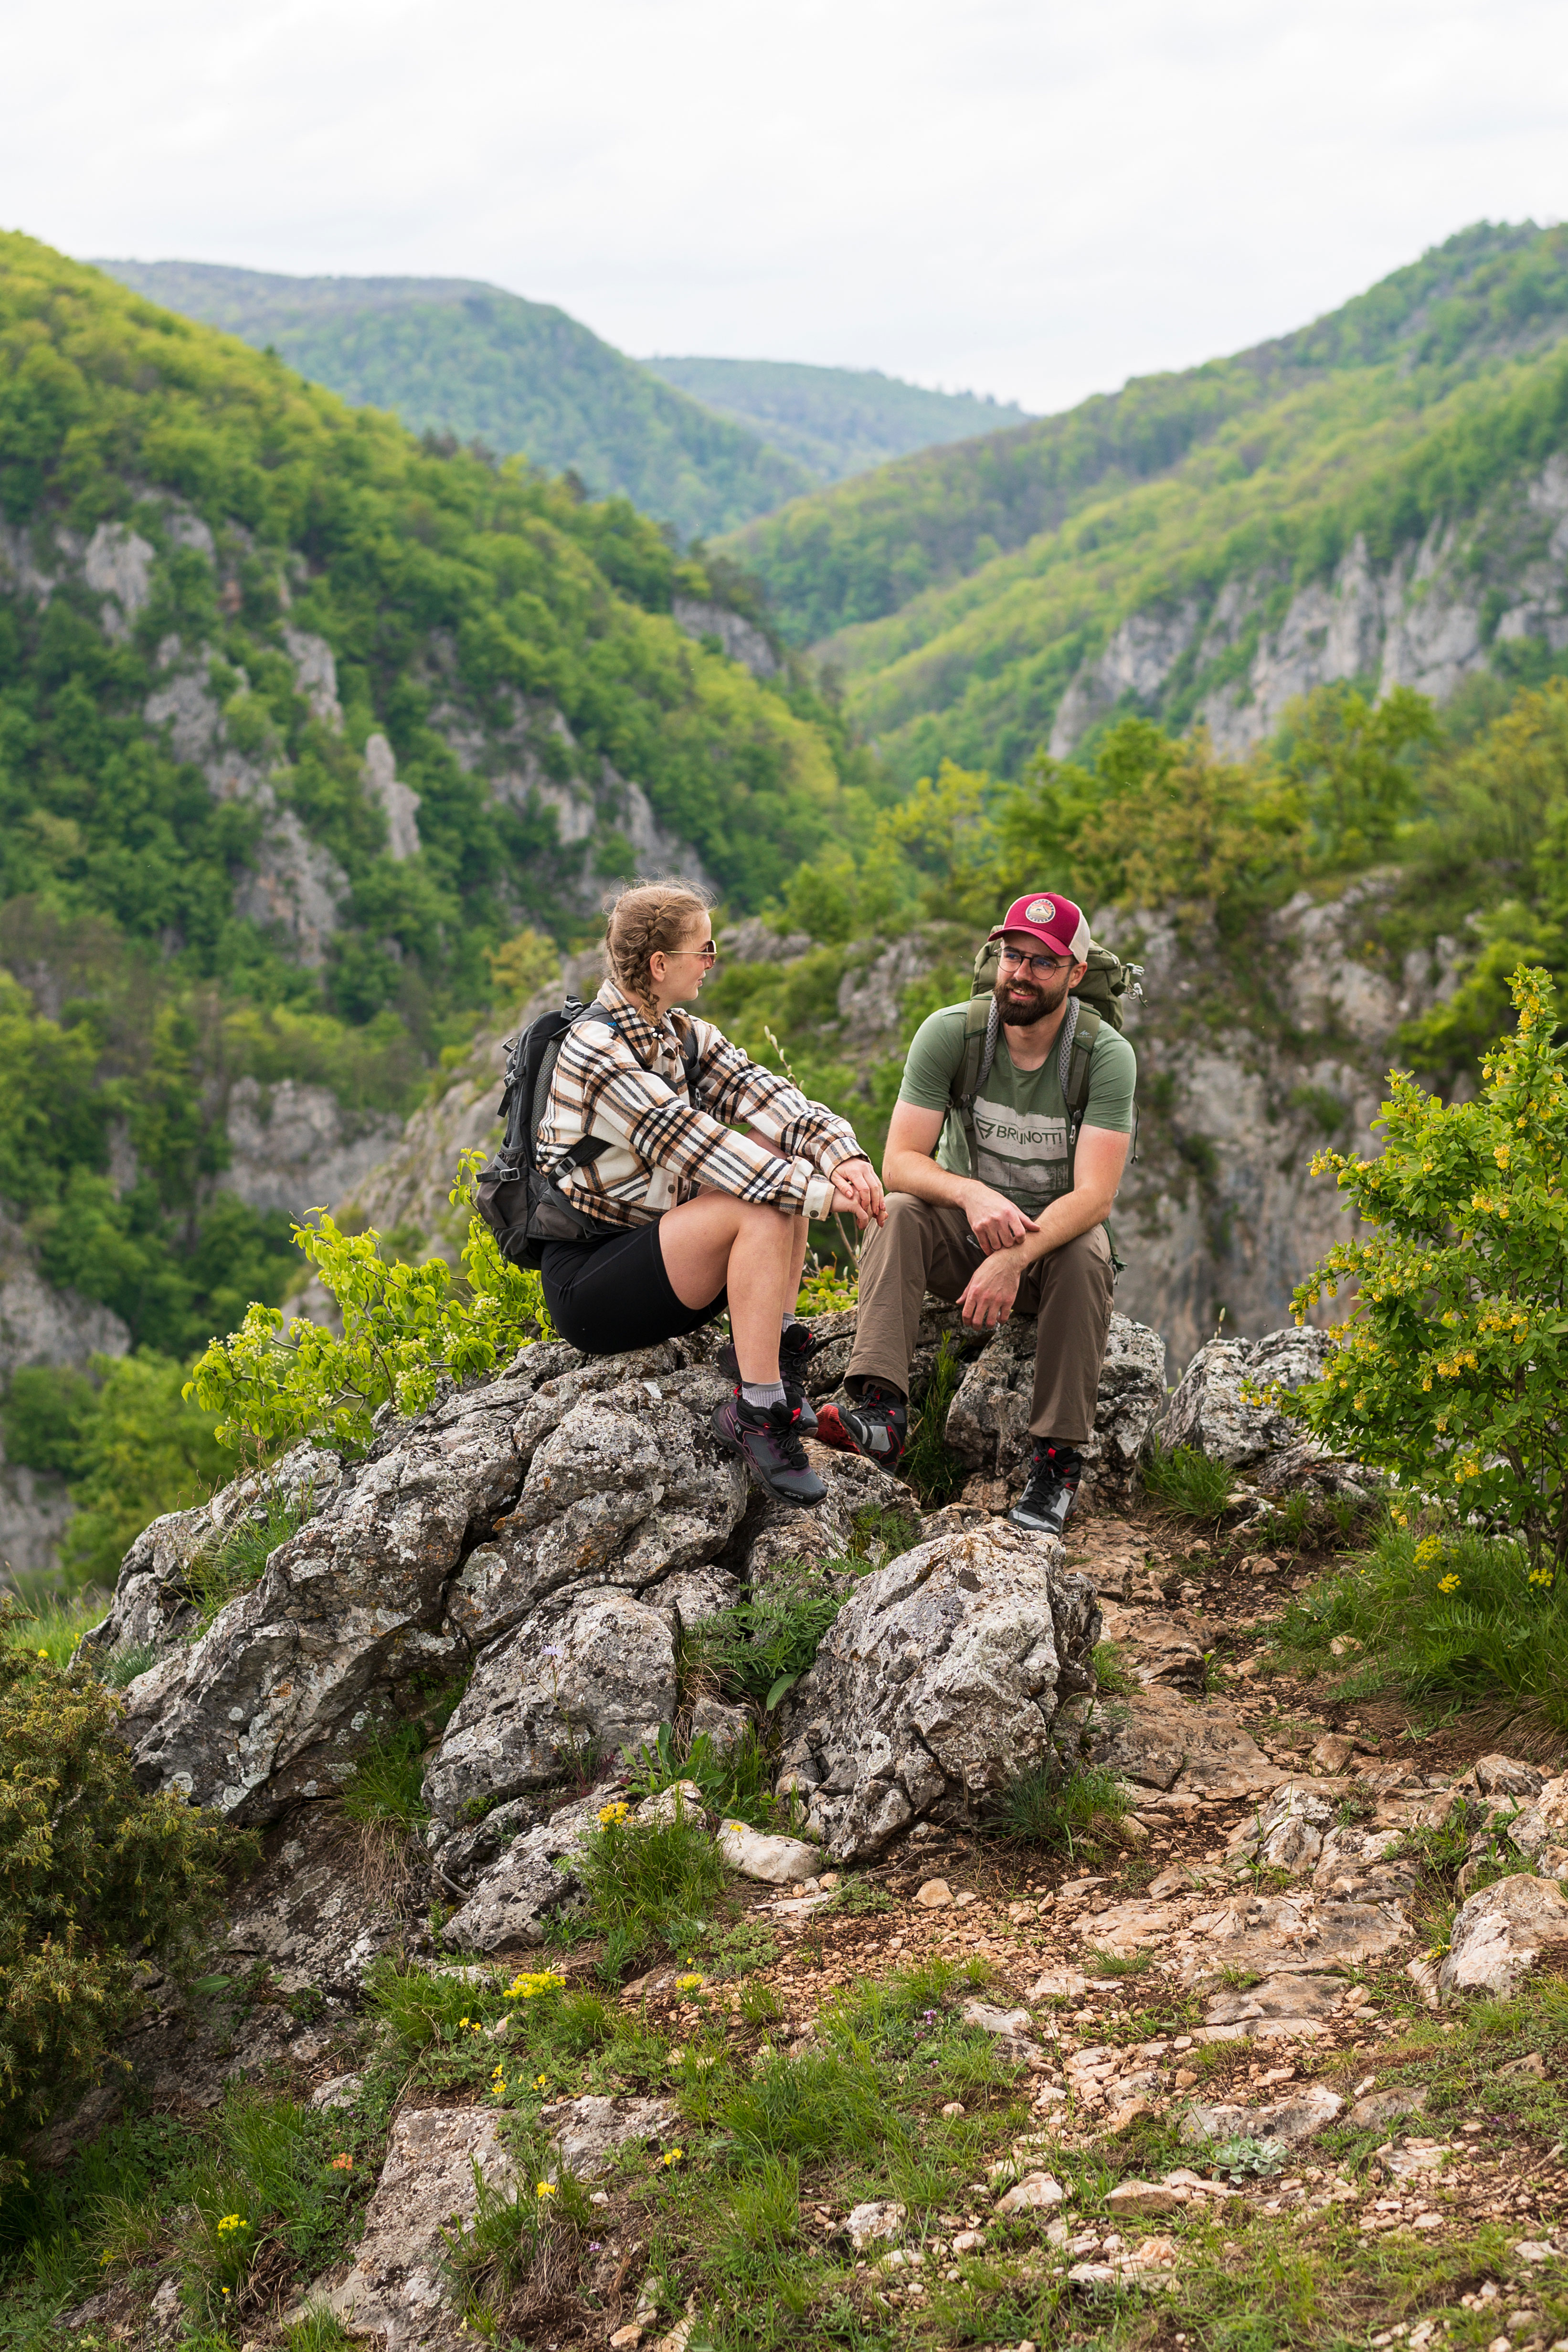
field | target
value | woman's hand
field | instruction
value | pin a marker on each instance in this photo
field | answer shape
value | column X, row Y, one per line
column 857, row 1191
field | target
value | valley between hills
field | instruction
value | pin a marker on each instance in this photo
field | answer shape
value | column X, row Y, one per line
column 474, row 1867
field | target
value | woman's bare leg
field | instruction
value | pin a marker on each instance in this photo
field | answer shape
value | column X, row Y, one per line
column 716, row 1243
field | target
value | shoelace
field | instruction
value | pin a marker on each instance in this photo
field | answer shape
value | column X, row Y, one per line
column 786, row 1438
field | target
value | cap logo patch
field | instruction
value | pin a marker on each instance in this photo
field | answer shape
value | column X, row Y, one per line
column 1039, row 910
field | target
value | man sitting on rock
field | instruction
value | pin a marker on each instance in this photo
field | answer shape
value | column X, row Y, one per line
column 1007, row 1216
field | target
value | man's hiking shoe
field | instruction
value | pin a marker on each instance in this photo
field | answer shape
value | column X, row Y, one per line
column 768, row 1442
column 796, row 1349
column 1042, row 1508
column 875, row 1425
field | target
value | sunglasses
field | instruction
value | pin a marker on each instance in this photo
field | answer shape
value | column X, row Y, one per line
column 707, row 951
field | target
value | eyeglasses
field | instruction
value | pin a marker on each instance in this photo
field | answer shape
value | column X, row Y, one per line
column 707, row 951
column 1040, row 966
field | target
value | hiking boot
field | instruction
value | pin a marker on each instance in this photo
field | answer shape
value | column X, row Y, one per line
column 876, row 1424
column 1042, row 1508
column 768, row 1442
column 796, row 1349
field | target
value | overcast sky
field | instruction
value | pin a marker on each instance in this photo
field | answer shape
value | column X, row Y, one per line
column 1032, row 200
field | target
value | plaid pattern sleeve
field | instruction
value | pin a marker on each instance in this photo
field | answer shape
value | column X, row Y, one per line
column 625, row 1085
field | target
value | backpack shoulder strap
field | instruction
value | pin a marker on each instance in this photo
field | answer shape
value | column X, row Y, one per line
column 982, row 1027
column 1080, row 1053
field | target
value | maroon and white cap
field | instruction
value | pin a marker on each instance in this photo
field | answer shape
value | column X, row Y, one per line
column 1063, row 927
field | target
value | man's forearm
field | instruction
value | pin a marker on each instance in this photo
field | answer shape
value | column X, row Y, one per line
column 914, row 1172
column 1063, row 1221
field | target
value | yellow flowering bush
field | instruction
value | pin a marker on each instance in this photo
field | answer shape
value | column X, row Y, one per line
column 1452, row 1368
column 531, row 1983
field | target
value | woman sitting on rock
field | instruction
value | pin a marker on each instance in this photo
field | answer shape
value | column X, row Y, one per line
column 687, row 1216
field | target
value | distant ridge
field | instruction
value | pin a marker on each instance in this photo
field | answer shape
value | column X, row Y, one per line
column 452, row 355
column 835, row 421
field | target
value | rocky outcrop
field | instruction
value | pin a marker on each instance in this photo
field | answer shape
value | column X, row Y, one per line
column 987, row 1423
column 940, row 1677
column 41, row 1326
column 399, row 2288
column 1227, row 1405
column 295, row 1148
column 1498, row 1935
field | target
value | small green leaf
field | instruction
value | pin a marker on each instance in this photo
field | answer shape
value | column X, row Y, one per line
column 784, row 1682
column 212, row 1984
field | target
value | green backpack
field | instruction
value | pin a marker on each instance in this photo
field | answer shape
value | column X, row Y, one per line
column 1097, row 998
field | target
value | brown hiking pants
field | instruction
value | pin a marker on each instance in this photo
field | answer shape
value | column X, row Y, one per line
column 927, row 1245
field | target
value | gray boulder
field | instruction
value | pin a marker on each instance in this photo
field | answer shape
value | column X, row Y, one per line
column 624, row 1483
column 530, row 1883
column 588, row 1675
column 1498, row 1935
column 153, row 1608
column 988, row 1421
column 399, row 2287
column 273, row 1701
column 941, row 1675
column 1212, row 1411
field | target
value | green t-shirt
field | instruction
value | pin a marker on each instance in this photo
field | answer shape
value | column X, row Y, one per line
column 1020, row 1116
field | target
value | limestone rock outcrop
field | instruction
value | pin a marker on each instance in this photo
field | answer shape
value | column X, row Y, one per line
column 940, row 1677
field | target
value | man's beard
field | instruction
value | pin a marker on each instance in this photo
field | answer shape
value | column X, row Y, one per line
column 1037, row 1003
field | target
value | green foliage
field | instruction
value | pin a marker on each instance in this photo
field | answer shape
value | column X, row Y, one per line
column 1060, row 1809
column 930, row 1464
column 835, row 421
column 970, row 584
column 1189, row 1484
column 1443, row 1611
column 222, row 1570
column 388, row 1780
column 1450, row 1371
column 95, row 1875
column 1113, row 1678
column 404, row 1328
column 737, row 1783
column 1349, row 760
column 1240, row 2159
column 759, row 1650
column 457, row 359
column 488, row 2258
column 128, row 1442
column 648, row 1884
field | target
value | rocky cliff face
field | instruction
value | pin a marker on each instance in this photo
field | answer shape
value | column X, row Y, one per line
column 40, row 1325
column 1428, row 618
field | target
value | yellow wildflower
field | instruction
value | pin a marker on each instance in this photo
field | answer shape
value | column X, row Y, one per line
column 1448, row 1584
column 544, row 2189
column 612, row 1816
column 674, row 2156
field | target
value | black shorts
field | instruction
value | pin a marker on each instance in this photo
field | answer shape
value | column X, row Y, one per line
column 606, row 1296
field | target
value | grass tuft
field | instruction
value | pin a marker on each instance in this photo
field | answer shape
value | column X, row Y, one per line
column 1045, row 1806
column 1187, row 1484
column 929, row 1463
column 230, row 1567
column 1453, row 1614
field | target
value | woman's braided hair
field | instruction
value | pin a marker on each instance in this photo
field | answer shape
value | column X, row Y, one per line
column 648, row 918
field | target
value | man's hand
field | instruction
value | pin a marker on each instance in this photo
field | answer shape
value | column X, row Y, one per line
column 993, row 1220
column 859, row 1182
column 992, row 1286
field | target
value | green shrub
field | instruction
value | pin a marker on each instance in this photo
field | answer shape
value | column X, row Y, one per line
column 1045, row 1806
column 1451, row 1371
column 95, row 1876
column 1186, row 1483
column 930, row 1464
column 648, row 1884
column 1453, row 1613
column 404, row 1328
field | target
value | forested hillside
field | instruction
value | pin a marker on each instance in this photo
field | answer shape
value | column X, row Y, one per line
column 453, row 357
column 1370, row 498
column 312, row 741
column 835, row 421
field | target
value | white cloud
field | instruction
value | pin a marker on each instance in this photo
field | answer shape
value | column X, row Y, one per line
column 1030, row 199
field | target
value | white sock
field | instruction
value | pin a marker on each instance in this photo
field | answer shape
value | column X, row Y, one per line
column 760, row 1394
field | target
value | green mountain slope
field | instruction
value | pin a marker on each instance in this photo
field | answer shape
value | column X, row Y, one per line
column 1173, row 549
column 449, row 355
column 835, row 421
column 301, row 721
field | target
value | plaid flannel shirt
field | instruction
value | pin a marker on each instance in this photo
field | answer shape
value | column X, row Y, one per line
column 627, row 1086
